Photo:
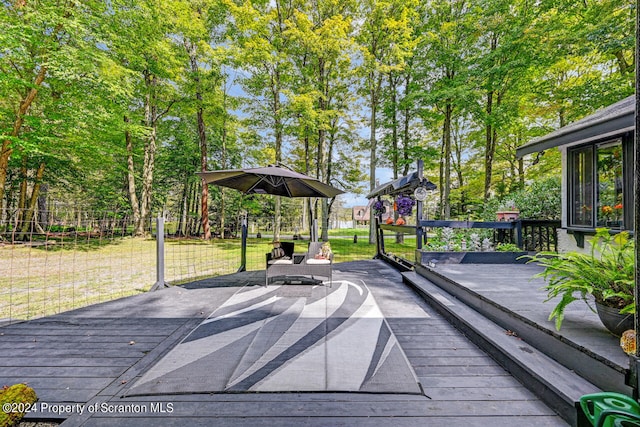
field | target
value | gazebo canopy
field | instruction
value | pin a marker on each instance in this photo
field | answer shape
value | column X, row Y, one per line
column 403, row 184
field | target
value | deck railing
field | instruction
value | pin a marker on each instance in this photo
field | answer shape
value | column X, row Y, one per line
column 60, row 260
column 528, row 235
column 539, row 235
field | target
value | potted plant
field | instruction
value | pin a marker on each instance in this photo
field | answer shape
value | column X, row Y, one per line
column 404, row 206
column 507, row 211
column 604, row 275
column 378, row 208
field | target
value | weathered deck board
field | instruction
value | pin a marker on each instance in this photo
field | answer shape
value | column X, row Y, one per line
column 580, row 324
column 539, row 421
column 86, row 356
column 68, row 361
column 377, row 408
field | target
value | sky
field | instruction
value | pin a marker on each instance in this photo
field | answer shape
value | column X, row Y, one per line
column 383, row 175
column 349, row 200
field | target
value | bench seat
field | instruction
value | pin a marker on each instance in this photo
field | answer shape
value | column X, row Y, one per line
column 299, row 266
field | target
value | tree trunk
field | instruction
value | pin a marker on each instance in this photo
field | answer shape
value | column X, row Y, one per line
column 393, row 87
column 406, row 134
column 395, row 160
column 490, row 130
column 182, row 221
column 489, row 149
column 447, row 160
column 42, row 206
column 457, row 143
column 624, row 67
column 373, row 147
column 151, row 117
column 7, row 147
column 325, row 207
column 222, row 216
column 320, row 164
column 202, row 137
column 193, row 209
column 31, row 207
column 307, row 203
column 521, row 172
column 441, row 177
column 223, row 162
column 278, row 148
column 22, row 203
column 150, row 122
column 131, row 177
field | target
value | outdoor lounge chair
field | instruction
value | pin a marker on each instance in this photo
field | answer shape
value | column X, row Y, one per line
column 299, row 265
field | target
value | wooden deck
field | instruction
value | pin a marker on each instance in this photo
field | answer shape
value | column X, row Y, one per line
column 81, row 363
column 509, row 294
column 503, row 309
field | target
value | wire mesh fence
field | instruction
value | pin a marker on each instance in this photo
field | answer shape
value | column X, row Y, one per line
column 58, row 261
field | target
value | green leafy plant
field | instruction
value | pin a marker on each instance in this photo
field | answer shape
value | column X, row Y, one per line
column 606, row 273
column 507, row 247
column 15, row 401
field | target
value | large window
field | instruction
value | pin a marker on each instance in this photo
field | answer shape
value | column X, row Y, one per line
column 610, row 201
column 582, row 187
column 596, row 190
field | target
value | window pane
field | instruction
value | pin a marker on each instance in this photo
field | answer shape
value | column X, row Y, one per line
column 610, row 207
column 582, row 187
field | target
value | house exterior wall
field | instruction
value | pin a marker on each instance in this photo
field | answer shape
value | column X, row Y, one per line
column 564, row 187
column 567, row 243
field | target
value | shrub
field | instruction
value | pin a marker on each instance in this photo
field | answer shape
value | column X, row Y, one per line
column 539, row 200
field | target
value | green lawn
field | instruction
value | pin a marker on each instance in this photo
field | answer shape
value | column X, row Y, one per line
column 44, row 279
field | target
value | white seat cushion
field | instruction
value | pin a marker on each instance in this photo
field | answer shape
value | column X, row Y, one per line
column 280, row 261
column 318, row 261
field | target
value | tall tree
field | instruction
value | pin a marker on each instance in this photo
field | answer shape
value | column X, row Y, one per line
column 41, row 41
column 198, row 23
column 262, row 52
column 322, row 34
column 385, row 38
column 504, row 59
column 142, row 44
column 443, row 71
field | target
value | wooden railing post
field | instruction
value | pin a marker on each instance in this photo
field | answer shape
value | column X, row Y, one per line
column 519, row 234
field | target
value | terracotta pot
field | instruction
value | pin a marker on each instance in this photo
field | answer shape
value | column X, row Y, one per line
column 507, row 215
column 611, row 318
column 400, row 221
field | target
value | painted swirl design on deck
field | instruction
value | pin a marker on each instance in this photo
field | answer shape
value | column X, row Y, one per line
column 287, row 338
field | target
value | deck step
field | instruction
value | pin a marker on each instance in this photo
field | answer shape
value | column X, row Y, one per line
column 557, row 386
column 597, row 369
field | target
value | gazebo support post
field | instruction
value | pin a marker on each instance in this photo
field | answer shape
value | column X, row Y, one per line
column 379, row 239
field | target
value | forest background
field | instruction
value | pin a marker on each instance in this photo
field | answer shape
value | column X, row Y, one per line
column 114, row 105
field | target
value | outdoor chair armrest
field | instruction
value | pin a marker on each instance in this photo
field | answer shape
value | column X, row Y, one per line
column 618, row 414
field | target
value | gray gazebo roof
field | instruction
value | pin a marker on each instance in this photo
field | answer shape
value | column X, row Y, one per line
column 403, row 184
column 608, row 122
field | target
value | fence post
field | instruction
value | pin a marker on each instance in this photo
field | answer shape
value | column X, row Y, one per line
column 243, row 249
column 160, row 283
